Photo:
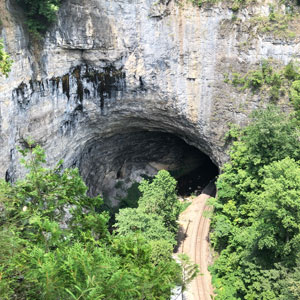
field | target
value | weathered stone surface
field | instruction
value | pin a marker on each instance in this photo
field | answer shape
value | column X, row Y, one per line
column 110, row 67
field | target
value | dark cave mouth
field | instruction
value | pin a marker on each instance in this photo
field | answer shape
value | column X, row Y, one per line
column 195, row 181
column 110, row 166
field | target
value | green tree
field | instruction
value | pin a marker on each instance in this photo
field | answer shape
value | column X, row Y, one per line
column 295, row 95
column 271, row 135
column 54, row 244
column 5, row 61
column 151, row 225
column 255, row 227
column 40, row 14
column 277, row 211
column 159, row 197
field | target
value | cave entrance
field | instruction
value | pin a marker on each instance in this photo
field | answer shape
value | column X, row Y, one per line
column 194, row 180
column 111, row 165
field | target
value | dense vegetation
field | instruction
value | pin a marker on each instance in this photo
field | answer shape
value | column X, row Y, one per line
column 5, row 61
column 39, row 14
column 235, row 5
column 270, row 82
column 55, row 243
column 156, row 215
column 256, row 225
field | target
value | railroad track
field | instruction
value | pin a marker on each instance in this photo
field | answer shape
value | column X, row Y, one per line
column 203, row 282
column 196, row 244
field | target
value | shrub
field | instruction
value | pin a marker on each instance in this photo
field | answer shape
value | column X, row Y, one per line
column 290, row 72
column 255, row 80
column 5, row 61
column 40, row 14
column 237, row 79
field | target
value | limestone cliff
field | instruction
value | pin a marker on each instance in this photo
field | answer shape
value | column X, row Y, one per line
column 110, row 68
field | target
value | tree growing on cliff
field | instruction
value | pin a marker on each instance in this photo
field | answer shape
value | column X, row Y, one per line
column 5, row 61
column 40, row 14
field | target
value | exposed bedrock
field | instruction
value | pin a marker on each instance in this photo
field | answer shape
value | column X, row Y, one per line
column 114, row 74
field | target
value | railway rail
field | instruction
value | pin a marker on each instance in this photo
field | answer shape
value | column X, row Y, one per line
column 196, row 243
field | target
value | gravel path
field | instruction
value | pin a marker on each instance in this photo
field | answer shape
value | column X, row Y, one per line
column 196, row 244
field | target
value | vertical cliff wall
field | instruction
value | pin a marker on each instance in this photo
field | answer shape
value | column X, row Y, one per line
column 111, row 67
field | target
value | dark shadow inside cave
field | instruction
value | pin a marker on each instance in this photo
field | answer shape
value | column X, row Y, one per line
column 195, row 180
column 111, row 165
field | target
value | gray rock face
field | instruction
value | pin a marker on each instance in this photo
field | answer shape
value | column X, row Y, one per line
column 114, row 67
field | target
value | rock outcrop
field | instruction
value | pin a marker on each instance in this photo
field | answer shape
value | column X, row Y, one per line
column 111, row 68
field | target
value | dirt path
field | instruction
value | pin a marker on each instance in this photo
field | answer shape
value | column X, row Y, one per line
column 195, row 229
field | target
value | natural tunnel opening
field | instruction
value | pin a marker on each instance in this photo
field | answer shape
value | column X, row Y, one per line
column 110, row 166
column 194, row 181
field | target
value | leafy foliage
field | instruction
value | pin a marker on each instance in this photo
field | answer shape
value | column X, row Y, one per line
column 265, row 76
column 55, row 244
column 290, row 72
column 276, row 211
column 40, row 14
column 151, row 225
column 234, row 5
column 295, row 95
column 189, row 269
column 5, row 61
column 256, row 225
column 155, row 218
column 159, row 197
column 276, row 83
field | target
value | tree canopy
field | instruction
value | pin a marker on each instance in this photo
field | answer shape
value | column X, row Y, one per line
column 56, row 245
column 256, row 223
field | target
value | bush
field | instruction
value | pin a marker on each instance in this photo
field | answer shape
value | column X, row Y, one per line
column 290, row 72
column 40, row 14
column 255, row 80
column 5, row 61
column 295, row 95
column 151, row 225
column 237, row 79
